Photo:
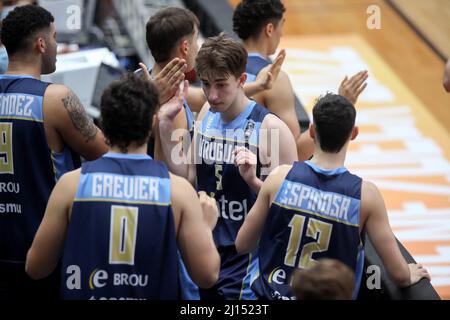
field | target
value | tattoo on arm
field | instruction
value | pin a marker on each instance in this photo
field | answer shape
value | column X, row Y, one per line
column 80, row 119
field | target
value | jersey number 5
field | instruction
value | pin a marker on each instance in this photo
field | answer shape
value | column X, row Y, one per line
column 122, row 243
column 318, row 230
column 6, row 150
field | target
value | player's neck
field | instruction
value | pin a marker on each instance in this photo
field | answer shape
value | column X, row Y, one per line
column 327, row 160
column 254, row 46
column 18, row 67
column 236, row 108
column 131, row 149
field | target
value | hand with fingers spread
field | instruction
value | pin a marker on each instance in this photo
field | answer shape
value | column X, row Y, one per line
column 246, row 161
column 171, row 108
column 168, row 80
column 352, row 88
column 209, row 208
column 269, row 74
column 417, row 272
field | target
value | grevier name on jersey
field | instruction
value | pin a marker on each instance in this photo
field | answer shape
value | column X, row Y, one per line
column 308, row 198
column 125, row 187
column 16, row 105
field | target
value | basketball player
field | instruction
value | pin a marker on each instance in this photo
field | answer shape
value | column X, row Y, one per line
column 259, row 23
column 172, row 33
column 317, row 209
column 230, row 147
column 42, row 126
column 119, row 221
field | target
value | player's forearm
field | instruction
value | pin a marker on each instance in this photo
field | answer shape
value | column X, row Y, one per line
column 172, row 150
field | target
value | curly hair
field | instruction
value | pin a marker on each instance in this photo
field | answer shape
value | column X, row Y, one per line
column 21, row 25
column 334, row 118
column 251, row 16
column 127, row 108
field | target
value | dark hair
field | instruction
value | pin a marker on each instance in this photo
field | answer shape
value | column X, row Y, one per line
column 334, row 119
column 21, row 25
column 329, row 279
column 251, row 16
column 127, row 109
column 166, row 28
column 221, row 56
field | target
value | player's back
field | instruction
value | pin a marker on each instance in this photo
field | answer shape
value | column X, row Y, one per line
column 28, row 168
column 315, row 214
column 121, row 242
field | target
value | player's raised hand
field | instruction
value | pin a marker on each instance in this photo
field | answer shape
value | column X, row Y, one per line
column 269, row 74
column 168, row 80
column 352, row 88
column 169, row 110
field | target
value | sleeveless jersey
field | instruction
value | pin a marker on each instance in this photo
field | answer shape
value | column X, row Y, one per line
column 255, row 62
column 216, row 173
column 28, row 168
column 121, row 242
column 315, row 214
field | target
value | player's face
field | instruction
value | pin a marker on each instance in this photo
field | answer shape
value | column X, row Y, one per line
column 221, row 92
column 49, row 57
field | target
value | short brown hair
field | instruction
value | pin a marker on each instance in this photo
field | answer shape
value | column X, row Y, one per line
column 166, row 28
column 221, row 56
column 329, row 279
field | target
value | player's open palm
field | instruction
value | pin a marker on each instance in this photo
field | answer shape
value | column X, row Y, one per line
column 246, row 161
column 269, row 74
column 352, row 88
column 169, row 110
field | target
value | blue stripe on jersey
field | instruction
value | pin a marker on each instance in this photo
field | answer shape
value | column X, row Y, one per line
column 252, row 272
column 122, row 250
column 320, row 207
column 21, row 106
column 25, row 164
column 189, row 290
column 330, row 205
column 358, row 271
column 124, row 188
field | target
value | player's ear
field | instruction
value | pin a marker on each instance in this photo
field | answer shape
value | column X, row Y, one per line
column 312, row 131
column 269, row 29
column 183, row 48
column 355, row 133
column 242, row 79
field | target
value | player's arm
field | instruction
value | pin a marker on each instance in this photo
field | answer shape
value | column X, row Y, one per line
column 178, row 162
column 48, row 244
column 66, row 116
column 250, row 231
column 380, row 233
column 283, row 141
column 280, row 100
column 194, row 233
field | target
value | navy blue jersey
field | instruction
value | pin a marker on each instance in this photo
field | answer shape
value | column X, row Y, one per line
column 28, row 168
column 121, row 242
column 255, row 62
column 315, row 214
column 216, row 173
